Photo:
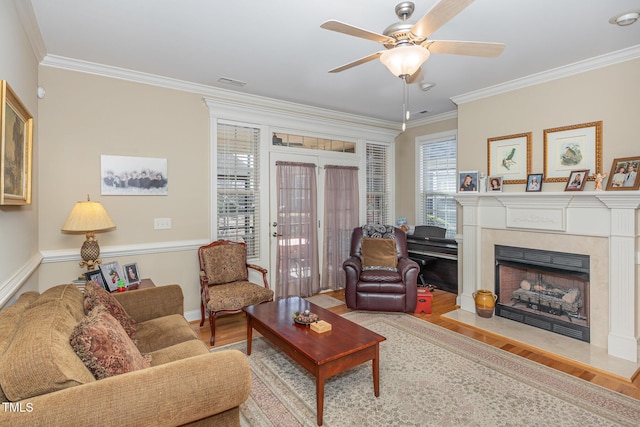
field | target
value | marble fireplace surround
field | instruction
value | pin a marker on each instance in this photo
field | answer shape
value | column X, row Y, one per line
column 603, row 225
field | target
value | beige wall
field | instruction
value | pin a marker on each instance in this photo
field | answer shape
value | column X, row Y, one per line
column 406, row 173
column 85, row 116
column 19, row 224
column 610, row 94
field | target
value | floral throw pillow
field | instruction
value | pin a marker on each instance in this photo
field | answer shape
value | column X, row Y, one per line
column 104, row 347
column 95, row 295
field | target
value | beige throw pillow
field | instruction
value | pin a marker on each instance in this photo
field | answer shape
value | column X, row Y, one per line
column 379, row 253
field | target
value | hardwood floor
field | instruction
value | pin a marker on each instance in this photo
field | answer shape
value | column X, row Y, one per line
column 233, row 328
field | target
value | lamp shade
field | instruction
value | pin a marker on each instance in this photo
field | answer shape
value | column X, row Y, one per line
column 88, row 216
column 404, row 60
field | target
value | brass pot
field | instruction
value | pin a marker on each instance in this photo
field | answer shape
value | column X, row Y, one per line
column 485, row 302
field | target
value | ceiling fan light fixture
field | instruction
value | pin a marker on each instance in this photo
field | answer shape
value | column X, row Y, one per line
column 404, row 60
column 627, row 18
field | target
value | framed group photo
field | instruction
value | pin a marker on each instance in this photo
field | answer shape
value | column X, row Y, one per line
column 624, row 174
column 577, row 179
column 468, row 181
column 534, row 182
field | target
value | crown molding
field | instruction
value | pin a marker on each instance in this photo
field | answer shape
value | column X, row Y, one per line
column 224, row 96
column 579, row 67
column 433, row 119
column 30, row 24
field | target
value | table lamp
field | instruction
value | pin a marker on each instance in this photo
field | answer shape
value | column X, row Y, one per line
column 89, row 217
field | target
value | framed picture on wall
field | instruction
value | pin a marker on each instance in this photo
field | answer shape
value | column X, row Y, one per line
column 624, row 174
column 510, row 157
column 468, row 181
column 534, row 182
column 572, row 147
column 576, row 180
column 16, row 138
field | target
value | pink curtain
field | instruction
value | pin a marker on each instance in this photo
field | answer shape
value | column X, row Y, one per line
column 341, row 216
column 297, row 257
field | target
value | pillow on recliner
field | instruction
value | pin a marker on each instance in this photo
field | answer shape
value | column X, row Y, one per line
column 379, row 254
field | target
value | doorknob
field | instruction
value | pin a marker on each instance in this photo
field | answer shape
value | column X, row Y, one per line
column 276, row 234
column 275, row 224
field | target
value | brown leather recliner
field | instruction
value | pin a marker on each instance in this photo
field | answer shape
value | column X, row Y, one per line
column 381, row 289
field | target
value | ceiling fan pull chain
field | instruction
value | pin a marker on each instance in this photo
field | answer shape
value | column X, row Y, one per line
column 405, row 102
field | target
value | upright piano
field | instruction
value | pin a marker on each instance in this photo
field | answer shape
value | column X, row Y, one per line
column 436, row 256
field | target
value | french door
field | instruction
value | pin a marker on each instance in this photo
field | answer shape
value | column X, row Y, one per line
column 297, row 223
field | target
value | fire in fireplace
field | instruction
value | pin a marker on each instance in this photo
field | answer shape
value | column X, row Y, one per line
column 545, row 289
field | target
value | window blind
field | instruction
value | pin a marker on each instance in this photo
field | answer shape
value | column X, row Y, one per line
column 437, row 185
column 238, row 186
column 378, row 184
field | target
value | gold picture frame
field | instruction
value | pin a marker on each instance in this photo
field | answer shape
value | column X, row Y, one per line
column 510, row 157
column 15, row 152
column 572, row 147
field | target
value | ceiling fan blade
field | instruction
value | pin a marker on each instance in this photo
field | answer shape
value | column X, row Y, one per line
column 416, row 77
column 439, row 15
column 350, row 30
column 356, row 62
column 487, row 50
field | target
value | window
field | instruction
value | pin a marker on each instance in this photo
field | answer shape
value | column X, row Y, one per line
column 238, row 188
column 437, row 182
column 378, row 184
column 312, row 143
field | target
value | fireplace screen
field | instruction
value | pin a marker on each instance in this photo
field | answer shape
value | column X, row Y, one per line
column 545, row 289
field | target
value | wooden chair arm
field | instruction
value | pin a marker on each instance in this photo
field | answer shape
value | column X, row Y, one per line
column 261, row 270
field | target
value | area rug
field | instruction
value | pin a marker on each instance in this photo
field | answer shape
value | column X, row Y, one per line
column 429, row 376
column 324, row 301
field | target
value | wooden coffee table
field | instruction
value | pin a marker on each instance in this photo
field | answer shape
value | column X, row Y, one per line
column 322, row 354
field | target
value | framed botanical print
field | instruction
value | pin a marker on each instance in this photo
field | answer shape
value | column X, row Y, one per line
column 510, row 157
column 16, row 141
column 572, row 147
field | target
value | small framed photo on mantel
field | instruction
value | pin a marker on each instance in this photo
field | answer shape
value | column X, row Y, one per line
column 534, row 182
column 468, row 181
column 576, row 180
column 624, row 174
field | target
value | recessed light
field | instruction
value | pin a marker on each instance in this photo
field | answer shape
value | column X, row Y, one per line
column 625, row 19
column 233, row 82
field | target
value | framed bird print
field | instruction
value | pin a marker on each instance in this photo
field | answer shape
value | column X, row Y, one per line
column 572, row 147
column 510, row 157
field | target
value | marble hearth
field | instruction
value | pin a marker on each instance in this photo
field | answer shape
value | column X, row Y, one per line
column 602, row 225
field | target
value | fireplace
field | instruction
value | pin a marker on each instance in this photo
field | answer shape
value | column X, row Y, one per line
column 545, row 289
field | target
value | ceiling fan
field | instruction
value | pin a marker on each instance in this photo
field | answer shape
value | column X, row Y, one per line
column 407, row 42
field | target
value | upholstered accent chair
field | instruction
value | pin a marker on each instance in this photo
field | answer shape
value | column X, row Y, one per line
column 224, row 281
column 379, row 274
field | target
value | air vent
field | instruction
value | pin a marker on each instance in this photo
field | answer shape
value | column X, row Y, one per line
column 228, row 81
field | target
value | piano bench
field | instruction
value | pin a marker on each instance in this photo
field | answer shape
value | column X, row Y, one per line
column 424, row 301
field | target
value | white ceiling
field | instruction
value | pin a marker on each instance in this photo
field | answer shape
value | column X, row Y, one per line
column 278, row 48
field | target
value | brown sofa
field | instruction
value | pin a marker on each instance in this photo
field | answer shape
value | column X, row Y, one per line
column 44, row 382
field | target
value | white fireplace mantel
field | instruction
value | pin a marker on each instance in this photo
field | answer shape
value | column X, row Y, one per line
column 612, row 215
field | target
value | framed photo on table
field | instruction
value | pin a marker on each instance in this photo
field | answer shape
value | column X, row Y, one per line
column 96, row 277
column 16, row 138
column 510, row 157
column 624, row 174
column 131, row 274
column 572, row 147
column 112, row 273
column 576, row 180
